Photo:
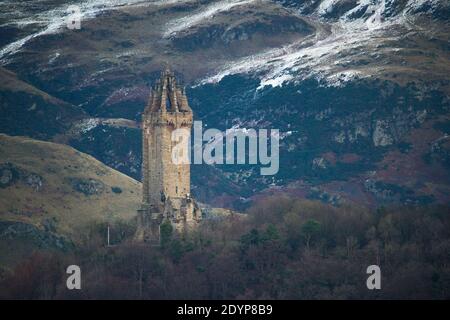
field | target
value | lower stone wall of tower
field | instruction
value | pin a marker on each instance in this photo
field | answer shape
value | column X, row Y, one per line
column 148, row 226
column 182, row 213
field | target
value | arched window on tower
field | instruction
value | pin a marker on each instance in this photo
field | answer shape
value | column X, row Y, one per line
column 168, row 103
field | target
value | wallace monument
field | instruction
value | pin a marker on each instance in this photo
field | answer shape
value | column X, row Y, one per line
column 165, row 183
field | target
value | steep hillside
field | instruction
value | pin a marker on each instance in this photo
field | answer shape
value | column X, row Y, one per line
column 359, row 89
column 402, row 41
column 106, row 65
column 26, row 110
column 51, row 194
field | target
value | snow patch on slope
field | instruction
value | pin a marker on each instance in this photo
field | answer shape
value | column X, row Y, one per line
column 189, row 21
column 326, row 6
column 55, row 20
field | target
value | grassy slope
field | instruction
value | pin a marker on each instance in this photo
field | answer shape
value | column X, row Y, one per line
column 59, row 166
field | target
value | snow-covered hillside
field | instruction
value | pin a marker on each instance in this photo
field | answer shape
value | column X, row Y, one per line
column 355, row 32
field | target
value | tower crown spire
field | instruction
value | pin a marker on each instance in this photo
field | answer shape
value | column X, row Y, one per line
column 166, row 96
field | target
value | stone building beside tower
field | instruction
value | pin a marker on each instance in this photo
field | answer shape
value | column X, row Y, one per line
column 165, row 183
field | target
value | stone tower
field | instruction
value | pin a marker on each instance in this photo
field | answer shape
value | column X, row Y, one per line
column 165, row 183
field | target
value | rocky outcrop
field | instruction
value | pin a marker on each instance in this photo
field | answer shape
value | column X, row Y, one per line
column 45, row 239
column 10, row 174
column 381, row 136
column 88, row 187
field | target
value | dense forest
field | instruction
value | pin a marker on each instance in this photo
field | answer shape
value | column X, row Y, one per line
column 281, row 248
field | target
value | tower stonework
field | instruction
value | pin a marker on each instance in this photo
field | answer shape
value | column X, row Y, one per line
column 165, row 183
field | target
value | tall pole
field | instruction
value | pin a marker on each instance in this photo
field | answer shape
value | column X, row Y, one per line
column 108, row 235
